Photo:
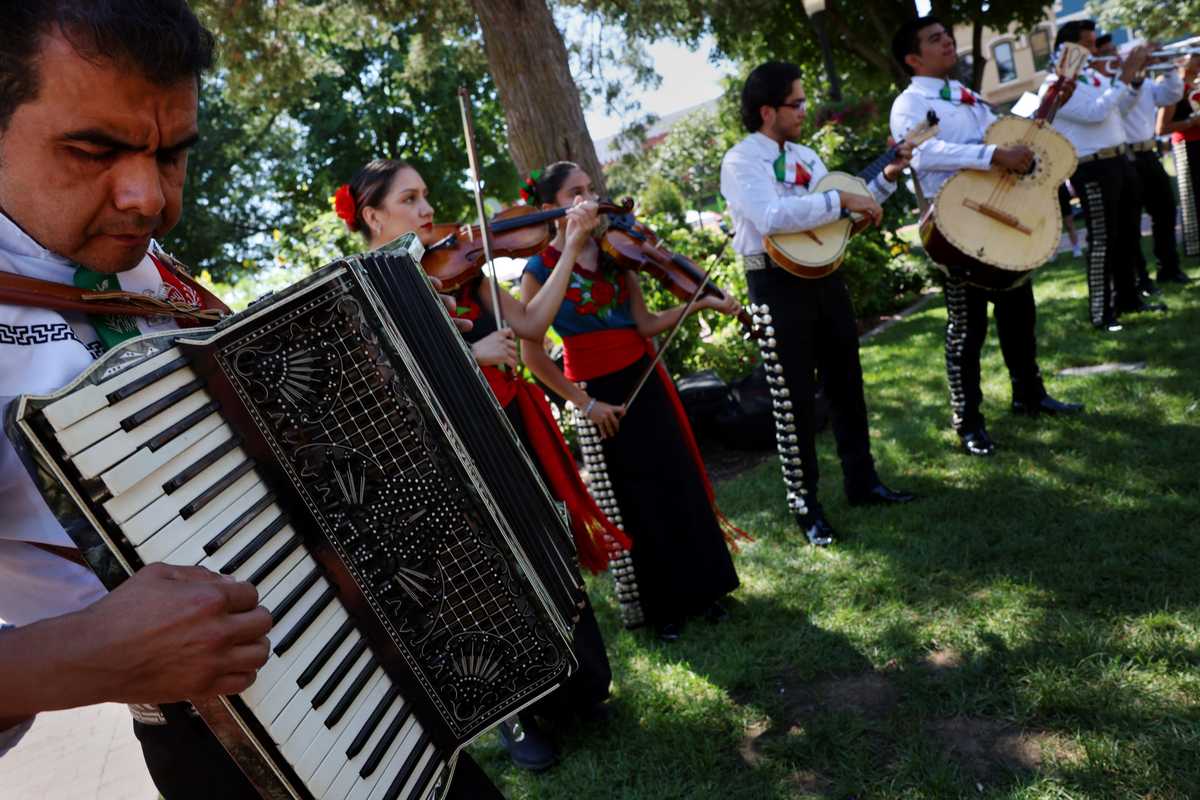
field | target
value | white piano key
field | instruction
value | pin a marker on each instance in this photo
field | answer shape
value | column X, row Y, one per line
column 300, row 706
column 151, row 519
column 297, row 660
column 350, row 784
column 129, row 472
column 167, row 543
column 119, row 444
column 395, row 764
column 123, row 506
column 336, row 764
column 312, row 740
column 91, row 399
column 273, row 670
column 107, row 420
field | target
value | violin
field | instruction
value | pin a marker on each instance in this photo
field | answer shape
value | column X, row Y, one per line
column 633, row 246
column 517, row 232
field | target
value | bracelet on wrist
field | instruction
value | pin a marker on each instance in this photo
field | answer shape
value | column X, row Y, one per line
column 587, row 412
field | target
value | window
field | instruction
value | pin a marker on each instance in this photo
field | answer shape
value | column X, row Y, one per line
column 1039, row 45
column 1006, row 64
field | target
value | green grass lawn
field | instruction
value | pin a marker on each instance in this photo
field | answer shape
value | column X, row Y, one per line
column 1027, row 629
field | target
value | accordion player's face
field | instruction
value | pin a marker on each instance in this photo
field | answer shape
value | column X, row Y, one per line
column 93, row 166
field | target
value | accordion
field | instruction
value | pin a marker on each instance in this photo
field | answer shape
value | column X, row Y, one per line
column 336, row 446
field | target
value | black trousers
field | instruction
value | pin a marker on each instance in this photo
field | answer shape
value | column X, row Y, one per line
column 1158, row 200
column 966, row 331
column 187, row 762
column 814, row 334
column 1112, row 286
column 1133, row 198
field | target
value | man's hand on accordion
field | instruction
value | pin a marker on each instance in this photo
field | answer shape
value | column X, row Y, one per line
column 172, row 633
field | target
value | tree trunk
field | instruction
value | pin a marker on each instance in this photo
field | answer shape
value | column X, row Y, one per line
column 528, row 62
column 978, row 62
column 868, row 50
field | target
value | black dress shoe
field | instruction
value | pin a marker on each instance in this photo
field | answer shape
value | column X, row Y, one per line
column 1109, row 325
column 716, row 612
column 1148, row 288
column 816, row 528
column 880, row 495
column 1047, row 405
column 668, row 631
column 1175, row 277
column 977, row 442
column 527, row 746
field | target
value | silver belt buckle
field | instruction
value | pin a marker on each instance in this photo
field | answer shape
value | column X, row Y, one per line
column 755, row 262
column 147, row 714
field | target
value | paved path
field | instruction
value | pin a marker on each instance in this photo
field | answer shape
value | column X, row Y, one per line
column 82, row 754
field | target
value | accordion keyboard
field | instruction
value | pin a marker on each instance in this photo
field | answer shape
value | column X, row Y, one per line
column 180, row 488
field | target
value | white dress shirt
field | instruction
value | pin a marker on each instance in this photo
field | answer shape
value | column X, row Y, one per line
column 1139, row 109
column 762, row 205
column 961, row 127
column 41, row 351
column 1091, row 119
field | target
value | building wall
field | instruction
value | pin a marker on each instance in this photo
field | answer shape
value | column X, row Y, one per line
column 1015, row 49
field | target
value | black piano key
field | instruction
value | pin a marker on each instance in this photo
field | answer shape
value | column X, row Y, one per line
column 368, row 728
column 372, row 763
column 427, row 776
column 204, row 462
column 160, row 405
column 222, row 538
column 351, row 693
column 212, row 492
column 325, row 654
column 406, row 770
column 305, row 620
column 293, row 597
column 135, row 386
column 185, row 424
column 272, row 563
column 254, row 545
column 333, row 680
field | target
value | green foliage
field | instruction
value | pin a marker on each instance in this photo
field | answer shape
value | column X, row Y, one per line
column 707, row 340
column 269, row 162
column 662, row 197
column 1159, row 19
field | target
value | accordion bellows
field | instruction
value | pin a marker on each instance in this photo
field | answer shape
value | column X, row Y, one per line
column 336, row 445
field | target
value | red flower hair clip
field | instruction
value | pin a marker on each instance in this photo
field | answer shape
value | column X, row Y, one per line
column 344, row 206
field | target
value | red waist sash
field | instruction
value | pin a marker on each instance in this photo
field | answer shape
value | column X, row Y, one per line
column 590, row 355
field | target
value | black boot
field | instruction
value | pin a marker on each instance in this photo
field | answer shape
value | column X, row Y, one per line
column 816, row 528
column 527, row 746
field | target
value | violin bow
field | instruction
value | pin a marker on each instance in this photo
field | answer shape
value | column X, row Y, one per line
column 679, row 322
column 464, row 102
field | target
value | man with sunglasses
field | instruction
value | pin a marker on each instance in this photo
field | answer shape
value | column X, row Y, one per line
column 768, row 181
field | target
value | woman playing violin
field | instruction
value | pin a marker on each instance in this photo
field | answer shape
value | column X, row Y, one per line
column 682, row 565
column 388, row 198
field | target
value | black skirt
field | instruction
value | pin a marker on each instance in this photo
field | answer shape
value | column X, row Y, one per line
column 679, row 552
column 589, row 685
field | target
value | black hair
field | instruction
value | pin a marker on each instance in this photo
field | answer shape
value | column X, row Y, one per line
column 552, row 179
column 161, row 39
column 907, row 40
column 768, row 85
column 1103, row 39
column 1073, row 31
column 370, row 185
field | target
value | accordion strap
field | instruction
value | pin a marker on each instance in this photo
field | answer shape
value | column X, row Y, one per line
column 18, row 290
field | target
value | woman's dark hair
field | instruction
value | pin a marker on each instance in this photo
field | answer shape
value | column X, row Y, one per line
column 160, row 39
column 370, row 185
column 552, row 179
column 1073, row 31
column 907, row 41
column 768, row 85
